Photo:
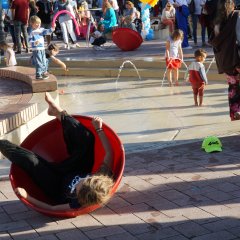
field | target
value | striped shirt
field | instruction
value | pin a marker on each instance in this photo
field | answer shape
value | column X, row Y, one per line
column 38, row 35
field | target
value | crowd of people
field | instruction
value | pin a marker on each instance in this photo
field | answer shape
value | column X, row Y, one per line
column 84, row 189
column 30, row 23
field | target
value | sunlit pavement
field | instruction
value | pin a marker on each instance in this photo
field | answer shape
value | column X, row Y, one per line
column 171, row 188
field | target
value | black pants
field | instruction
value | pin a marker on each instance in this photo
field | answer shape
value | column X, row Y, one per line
column 48, row 176
column 99, row 41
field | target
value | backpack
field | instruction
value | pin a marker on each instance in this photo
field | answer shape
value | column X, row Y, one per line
column 191, row 7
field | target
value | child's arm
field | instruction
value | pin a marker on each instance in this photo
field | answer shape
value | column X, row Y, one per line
column 108, row 158
column 167, row 49
column 59, row 62
column 180, row 52
column 23, row 193
column 48, row 31
column 203, row 75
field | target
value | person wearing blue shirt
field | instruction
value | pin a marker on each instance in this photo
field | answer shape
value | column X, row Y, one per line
column 36, row 39
column 110, row 19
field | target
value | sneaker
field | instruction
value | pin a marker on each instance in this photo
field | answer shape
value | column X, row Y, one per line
column 76, row 45
column 97, row 48
column 188, row 47
column 44, row 76
column 67, row 46
column 39, row 77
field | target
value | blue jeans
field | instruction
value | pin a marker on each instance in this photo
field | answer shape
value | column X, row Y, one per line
column 195, row 20
column 182, row 24
column 20, row 27
column 39, row 61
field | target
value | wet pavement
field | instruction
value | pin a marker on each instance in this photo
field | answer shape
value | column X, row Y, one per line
column 171, row 188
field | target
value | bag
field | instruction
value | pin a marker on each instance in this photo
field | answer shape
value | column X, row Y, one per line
column 191, row 7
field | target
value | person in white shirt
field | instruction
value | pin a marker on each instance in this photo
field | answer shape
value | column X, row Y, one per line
column 168, row 16
column 174, row 56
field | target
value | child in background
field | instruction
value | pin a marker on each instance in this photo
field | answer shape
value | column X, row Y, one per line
column 174, row 56
column 36, row 39
column 9, row 54
column 97, row 37
column 197, row 76
column 127, row 23
column 168, row 16
column 51, row 52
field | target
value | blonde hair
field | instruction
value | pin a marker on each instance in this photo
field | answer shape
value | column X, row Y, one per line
column 129, row 3
column 108, row 5
column 95, row 190
column 4, row 45
column 35, row 19
column 177, row 34
column 169, row 4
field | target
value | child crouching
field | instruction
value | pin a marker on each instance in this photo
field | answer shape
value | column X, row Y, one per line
column 51, row 53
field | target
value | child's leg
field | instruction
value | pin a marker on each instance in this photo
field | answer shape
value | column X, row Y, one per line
column 79, row 140
column 195, row 95
column 200, row 92
column 169, row 76
column 36, row 167
column 175, row 76
column 39, row 65
column 44, row 62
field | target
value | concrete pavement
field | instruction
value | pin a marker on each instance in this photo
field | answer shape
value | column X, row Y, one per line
column 171, row 189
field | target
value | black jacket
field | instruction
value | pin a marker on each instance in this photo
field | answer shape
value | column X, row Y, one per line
column 225, row 46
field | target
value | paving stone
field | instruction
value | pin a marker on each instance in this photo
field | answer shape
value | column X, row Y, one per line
column 191, row 229
column 5, row 236
column 75, row 234
column 158, row 234
column 13, row 225
column 223, row 224
column 235, row 231
column 222, row 235
column 46, row 237
column 86, row 223
column 23, row 233
column 104, row 232
column 125, row 236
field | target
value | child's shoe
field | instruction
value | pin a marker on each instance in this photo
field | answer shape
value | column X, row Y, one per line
column 44, row 76
column 39, row 77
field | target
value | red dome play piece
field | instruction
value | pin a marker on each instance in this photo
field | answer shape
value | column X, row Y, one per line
column 43, row 142
column 126, row 39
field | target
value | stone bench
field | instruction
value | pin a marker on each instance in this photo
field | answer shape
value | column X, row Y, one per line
column 27, row 75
